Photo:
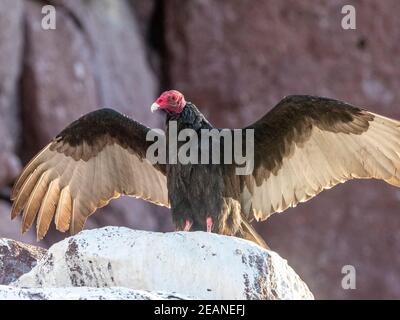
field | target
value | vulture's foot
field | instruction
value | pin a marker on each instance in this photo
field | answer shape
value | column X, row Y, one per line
column 188, row 225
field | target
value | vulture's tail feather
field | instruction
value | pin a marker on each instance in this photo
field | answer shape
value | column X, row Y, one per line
column 249, row 233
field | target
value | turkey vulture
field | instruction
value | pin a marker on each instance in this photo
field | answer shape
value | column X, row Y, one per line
column 304, row 145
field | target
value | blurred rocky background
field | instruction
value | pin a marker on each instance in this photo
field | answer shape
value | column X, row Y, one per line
column 235, row 59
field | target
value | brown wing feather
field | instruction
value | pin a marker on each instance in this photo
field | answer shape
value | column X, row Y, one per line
column 308, row 144
column 97, row 158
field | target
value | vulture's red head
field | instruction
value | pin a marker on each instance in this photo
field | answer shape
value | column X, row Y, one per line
column 171, row 101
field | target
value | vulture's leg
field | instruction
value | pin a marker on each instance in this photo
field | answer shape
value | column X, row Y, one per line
column 188, row 225
column 209, row 224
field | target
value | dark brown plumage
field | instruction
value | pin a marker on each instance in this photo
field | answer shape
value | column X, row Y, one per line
column 302, row 146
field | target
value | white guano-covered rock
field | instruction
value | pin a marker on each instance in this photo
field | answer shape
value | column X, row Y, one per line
column 193, row 264
column 82, row 293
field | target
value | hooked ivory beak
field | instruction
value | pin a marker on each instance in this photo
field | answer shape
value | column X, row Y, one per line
column 154, row 107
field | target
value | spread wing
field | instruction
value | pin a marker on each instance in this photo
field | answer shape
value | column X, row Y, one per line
column 97, row 158
column 307, row 144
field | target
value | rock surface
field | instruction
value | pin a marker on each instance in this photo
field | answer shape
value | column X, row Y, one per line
column 17, row 258
column 195, row 264
column 124, row 79
column 46, row 77
column 82, row 293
